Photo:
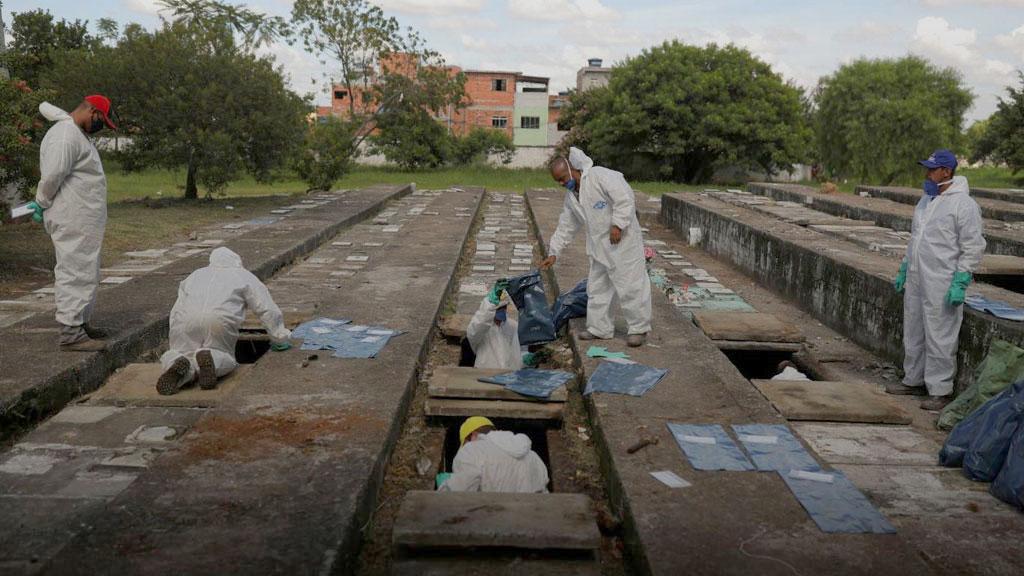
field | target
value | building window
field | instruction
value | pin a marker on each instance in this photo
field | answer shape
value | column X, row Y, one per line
column 340, row 94
column 498, row 84
column 530, row 122
column 499, row 121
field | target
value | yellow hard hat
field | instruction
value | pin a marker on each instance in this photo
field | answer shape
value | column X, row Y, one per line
column 472, row 424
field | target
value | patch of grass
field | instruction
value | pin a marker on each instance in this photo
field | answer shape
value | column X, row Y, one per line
column 155, row 183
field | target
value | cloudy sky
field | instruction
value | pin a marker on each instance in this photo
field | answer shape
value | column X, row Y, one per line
column 802, row 39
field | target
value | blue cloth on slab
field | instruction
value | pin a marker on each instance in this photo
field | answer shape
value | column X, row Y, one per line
column 773, row 447
column 836, row 506
column 531, row 382
column 708, row 447
column 344, row 340
column 306, row 329
column 632, row 379
column 994, row 307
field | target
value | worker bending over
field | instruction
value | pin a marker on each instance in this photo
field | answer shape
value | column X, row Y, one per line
column 946, row 245
column 601, row 201
column 493, row 336
column 491, row 460
column 206, row 318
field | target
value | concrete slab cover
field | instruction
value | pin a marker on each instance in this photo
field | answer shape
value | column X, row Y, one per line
column 746, row 326
column 474, row 519
column 135, row 384
column 493, row 408
column 868, row 444
column 463, row 382
column 1001, row 264
column 85, row 414
column 831, row 402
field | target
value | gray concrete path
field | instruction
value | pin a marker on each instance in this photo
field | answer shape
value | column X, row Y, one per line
column 281, row 473
column 990, row 208
column 38, row 379
column 726, row 522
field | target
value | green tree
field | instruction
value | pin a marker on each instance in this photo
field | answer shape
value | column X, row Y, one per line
column 973, row 141
column 189, row 96
column 38, row 39
column 1003, row 139
column 481, row 143
column 327, row 153
column 21, row 130
column 681, row 112
column 875, row 118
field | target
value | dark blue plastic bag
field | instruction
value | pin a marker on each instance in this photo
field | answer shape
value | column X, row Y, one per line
column 1009, row 484
column 963, row 435
column 572, row 304
column 987, row 452
column 535, row 325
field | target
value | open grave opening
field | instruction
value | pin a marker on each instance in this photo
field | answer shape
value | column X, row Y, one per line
column 764, row 364
column 536, row 430
column 249, row 350
column 1011, row 282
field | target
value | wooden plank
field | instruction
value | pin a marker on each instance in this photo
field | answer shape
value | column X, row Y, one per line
column 1001, row 265
column 493, row 408
column 746, row 327
column 831, row 401
column 135, row 385
column 454, row 327
column 562, row 521
column 463, row 382
column 762, row 346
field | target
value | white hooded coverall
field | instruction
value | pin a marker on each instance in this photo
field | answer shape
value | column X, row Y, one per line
column 495, row 346
column 616, row 270
column 498, row 461
column 73, row 191
column 946, row 238
column 211, row 308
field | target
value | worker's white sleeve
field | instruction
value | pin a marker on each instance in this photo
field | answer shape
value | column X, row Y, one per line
column 56, row 160
column 623, row 200
column 568, row 225
column 258, row 299
column 972, row 241
column 466, row 476
column 480, row 323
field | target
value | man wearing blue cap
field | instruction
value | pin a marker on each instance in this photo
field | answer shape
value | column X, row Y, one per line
column 946, row 245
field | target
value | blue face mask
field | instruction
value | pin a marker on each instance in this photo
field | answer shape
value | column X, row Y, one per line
column 931, row 188
column 501, row 315
column 570, row 184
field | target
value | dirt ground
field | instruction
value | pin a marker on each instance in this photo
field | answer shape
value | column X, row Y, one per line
column 26, row 253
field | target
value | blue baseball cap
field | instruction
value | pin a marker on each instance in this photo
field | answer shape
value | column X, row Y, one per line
column 940, row 158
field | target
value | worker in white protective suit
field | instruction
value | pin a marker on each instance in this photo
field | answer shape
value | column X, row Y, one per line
column 601, row 201
column 946, row 245
column 206, row 318
column 490, row 460
column 71, row 201
column 493, row 337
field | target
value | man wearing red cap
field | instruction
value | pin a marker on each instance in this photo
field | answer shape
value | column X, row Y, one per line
column 72, row 200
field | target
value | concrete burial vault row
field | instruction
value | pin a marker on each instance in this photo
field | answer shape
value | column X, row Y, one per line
column 278, row 473
column 38, row 380
column 845, row 285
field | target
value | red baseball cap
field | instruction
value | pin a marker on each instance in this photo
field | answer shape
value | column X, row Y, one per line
column 102, row 103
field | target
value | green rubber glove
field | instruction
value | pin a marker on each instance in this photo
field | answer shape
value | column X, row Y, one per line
column 38, row 216
column 958, row 288
column 494, row 296
column 530, row 359
column 281, row 346
column 901, row 278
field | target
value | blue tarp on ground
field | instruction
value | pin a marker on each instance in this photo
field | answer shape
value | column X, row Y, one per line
column 632, row 379
column 531, row 382
column 835, row 504
column 773, row 447
column 345, row 340
column 708, row 447
column 994, row 307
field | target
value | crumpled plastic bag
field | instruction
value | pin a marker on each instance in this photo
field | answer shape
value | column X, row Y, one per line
column 572, row 304
column 535, row 324
column 981, row 441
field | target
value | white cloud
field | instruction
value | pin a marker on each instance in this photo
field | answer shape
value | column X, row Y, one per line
column 461, row 23
column 1014, row 42
column 960, row 3
column 147, row 7
column 472, row 42
column 558, row 10
column 870, row 31
column 937, row 40
column 430, row 6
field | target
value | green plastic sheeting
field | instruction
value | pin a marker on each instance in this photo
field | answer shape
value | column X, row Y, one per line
column 1003, row 366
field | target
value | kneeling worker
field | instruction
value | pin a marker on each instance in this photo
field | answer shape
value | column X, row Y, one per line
column 493, row 337
column 495, row 461
column 206, row 318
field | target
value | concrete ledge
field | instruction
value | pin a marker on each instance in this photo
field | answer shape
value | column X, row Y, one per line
column 1004, row 194
column 885, row 213
column 38, row 379
column 990, row 208
column 845, row 286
